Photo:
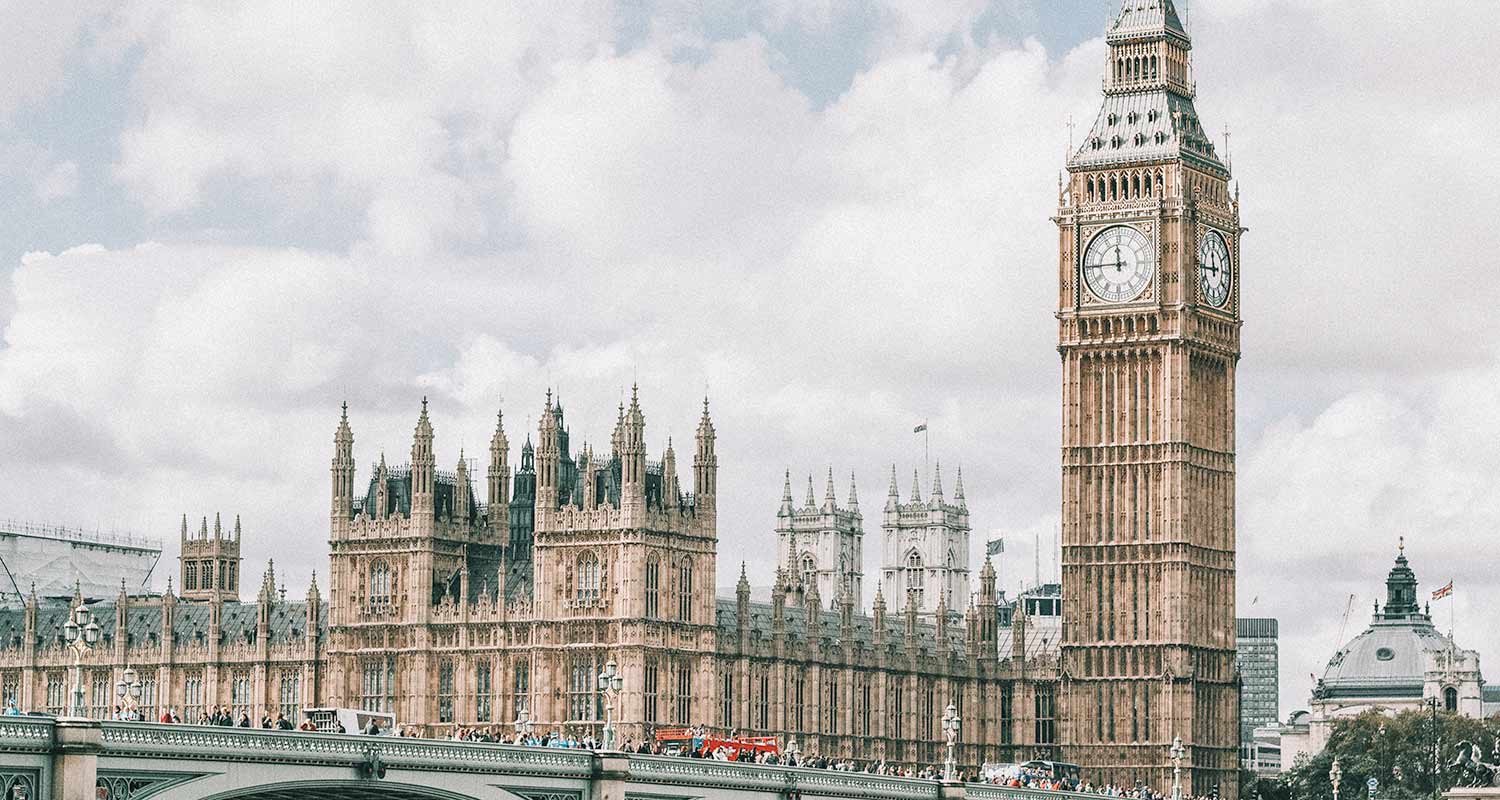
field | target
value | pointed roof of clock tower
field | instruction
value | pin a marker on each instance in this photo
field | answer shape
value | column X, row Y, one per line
column 1148, row 114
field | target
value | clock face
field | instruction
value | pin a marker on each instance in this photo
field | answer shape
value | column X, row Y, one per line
column 1117, row 265
column 1215, row 273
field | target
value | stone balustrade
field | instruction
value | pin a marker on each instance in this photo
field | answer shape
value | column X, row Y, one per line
column 135, row 759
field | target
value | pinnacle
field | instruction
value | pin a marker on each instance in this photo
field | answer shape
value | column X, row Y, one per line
column 916, row 487
column 829, row 501
column 853, row 492
column 937, row 482
column 810, row 503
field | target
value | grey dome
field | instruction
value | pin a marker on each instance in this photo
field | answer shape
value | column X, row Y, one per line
column 1388, row 658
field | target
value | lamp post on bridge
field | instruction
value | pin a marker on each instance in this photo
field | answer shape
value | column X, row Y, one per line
column 128, row 689
column 1335, row 774
column 523, row 725
column 950, row 732
column 610, row 683
column 1177, row 753
column 81, row 633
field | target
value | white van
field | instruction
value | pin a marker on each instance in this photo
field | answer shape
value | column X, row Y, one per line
column 352, row 720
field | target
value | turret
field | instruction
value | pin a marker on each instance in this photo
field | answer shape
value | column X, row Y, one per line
column 742, row 605
column 853, row 495
column 705, row 465
column 892, row 497
column 669, row 491
column 988, row 611
column 829, row 501
column 423, row 468
column 1018, row 632
column 548, row 461
column 382, row 490
column 878, row 618
column 916, row 488
column 786, row 497
column 958, row 491
column 461, row 493
column 343, row 475
column 589, row 498
column 909, row 626
column 937, row 484
column 941, row 617
column 633, row 456
column 314, row 609
column 498, row 480
column 264, row 602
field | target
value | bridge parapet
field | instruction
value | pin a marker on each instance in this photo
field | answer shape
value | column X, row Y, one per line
column 135, row 760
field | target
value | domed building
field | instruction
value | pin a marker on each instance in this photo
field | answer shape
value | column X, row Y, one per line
column 1400, row 662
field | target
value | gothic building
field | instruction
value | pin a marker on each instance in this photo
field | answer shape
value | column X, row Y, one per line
column 1149, row 334
column 821, row 544
column 925, row 545
column 448, row 610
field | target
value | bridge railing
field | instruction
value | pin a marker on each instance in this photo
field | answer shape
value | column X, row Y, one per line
column 151, row 741
column 25, row 734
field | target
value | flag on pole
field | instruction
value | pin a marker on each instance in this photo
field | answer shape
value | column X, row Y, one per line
column 919, row 428
column 1443, row 591
column 994, row 547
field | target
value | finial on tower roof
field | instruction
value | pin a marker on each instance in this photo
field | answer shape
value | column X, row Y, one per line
column 829, row 501
column 853, row 493
column 916, row 487
column 810, row 503
column 937, row 482
column 958, row 489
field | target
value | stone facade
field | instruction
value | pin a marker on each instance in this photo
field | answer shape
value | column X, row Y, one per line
column 925, row 545
column 822, row 544
column 1148, row 330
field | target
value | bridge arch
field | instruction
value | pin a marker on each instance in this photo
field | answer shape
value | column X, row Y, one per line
column 348, row 790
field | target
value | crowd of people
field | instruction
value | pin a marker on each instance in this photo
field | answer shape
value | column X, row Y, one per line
column 694, row 747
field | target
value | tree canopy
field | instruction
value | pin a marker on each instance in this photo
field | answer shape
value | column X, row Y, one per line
column 1396, row 750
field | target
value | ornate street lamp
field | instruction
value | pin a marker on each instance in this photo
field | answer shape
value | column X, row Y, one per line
column 81, row 633
column 523, row 725
column 1177, row 753
column 1335, row 773
column 128, row 689
column 950, row 732
column 609, row 685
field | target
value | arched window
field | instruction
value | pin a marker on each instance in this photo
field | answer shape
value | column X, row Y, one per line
column 380, row 583
column 809, row 570
column 653, row 586
column 685, row 591
column 913, row 577
column 1135, row 183
column 1450, row 698
column 588, row 578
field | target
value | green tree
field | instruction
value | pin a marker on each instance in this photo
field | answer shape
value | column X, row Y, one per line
column 1395, row 750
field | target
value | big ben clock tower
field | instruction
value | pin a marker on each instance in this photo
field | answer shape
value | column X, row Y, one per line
column 1148, row 329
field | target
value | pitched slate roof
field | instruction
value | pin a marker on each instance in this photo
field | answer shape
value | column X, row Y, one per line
column 1144, row 127
column 1142, row 18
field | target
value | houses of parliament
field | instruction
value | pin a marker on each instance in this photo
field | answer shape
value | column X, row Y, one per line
column 460, row 600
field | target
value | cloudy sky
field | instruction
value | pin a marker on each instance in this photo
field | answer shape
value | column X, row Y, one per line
column 219, row 220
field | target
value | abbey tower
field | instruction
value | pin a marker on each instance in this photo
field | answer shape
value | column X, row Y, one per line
column 1148, row 331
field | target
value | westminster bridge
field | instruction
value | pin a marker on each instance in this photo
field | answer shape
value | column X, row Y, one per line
column 45, row 759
